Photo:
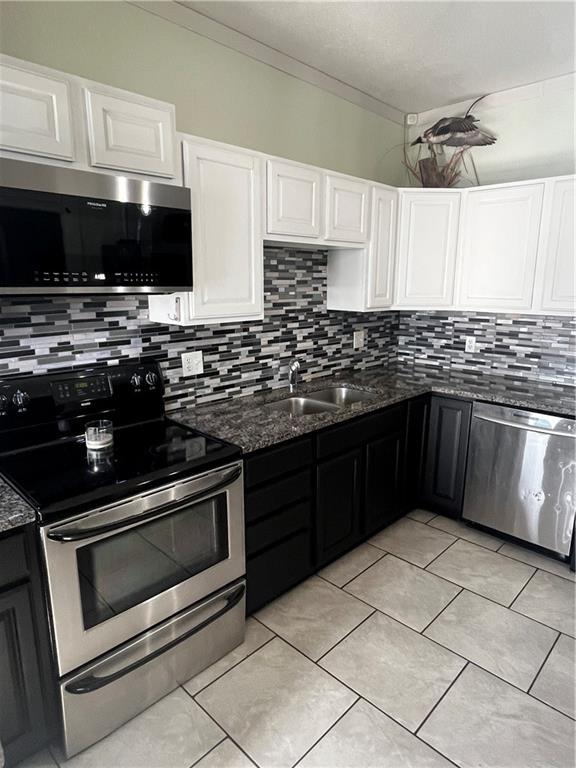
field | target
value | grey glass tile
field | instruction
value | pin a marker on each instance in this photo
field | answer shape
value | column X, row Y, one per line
column 344, row 569
column 483, row 721
column 395, row 668
column 503, row 642
column 549, row 599
column 556, row 683
column 276, row 704
column 412, row 541
column 403, row 591
column 482, row 571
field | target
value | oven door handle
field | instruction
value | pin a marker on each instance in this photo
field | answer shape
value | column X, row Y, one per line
column 77, row 534
column 92, row 683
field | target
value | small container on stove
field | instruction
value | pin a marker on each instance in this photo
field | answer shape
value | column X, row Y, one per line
column 99, row 435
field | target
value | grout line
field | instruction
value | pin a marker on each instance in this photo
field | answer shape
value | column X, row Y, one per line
column 538, row 567
column 440, row 699
column 328, row 731
column 441, row 612
column 222, row 740
column 381, row 555
column 424, row 567
column 523, row 586
column 374, row 610
column 544, row 662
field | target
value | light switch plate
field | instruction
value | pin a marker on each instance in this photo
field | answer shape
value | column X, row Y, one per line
column 192, row 363
column 470, row 344
column 359, row 339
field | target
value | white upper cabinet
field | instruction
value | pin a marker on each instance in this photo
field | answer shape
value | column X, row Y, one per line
column 499, row 247
column 130, row 132
column 558, row 289
column 347, row 202
column 293, row 199
column 35, row 116
column 226, row 232
column 382, row 250
column 427, row 241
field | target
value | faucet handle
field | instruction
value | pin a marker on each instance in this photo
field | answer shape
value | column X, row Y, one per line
column 294, row 365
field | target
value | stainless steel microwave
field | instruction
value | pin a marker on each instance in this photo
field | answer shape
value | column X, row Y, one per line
column 69, row 231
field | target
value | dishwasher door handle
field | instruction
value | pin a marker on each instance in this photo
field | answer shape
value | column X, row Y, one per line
column 525, row 427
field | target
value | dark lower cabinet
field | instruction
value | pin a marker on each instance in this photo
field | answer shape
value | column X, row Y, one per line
column 26, row 698
column 338, row 505
column 384, row 481
column 447, row 449
column 416, row 437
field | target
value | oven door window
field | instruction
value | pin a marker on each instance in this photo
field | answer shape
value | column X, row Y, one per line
column 131, row 567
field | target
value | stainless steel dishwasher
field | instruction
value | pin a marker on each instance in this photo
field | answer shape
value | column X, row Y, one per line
column 521, row 475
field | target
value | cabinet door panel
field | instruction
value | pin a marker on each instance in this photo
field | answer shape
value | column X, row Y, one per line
column 559, row 279
column 381, row 252
column 447, row 451
column 338, row 504
column 427, row 248
column 36, row 115
column 226, row 232
column 416, row 434
column 132, row 134
column 384, row 481
column 499, row 247
column 293, row 200
column 346, row 209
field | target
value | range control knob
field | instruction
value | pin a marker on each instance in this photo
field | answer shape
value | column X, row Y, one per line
column 151, row 378
column 20, row 399
column 136, row 380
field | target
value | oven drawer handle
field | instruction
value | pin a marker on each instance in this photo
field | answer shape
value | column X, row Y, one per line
column 77, row 534
column 91, row 683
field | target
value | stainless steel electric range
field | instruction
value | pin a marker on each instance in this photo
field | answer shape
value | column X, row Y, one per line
column 142, row 538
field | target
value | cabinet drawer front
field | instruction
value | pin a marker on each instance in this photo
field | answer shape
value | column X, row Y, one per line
column 13, row 559
column 271, row 530
column 276, row 570
column 340, row 439
column 275, row 462
column 283, row 493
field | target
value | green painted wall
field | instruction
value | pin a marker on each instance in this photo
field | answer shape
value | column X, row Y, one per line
column 218, row 93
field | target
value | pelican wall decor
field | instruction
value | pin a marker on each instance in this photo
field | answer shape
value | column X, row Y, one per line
column 459, row 132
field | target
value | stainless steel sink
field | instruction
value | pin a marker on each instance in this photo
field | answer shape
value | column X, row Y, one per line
column 342, row 396
column 301, row 406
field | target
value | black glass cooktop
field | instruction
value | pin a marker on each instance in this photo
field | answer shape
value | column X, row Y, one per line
column 56, row 477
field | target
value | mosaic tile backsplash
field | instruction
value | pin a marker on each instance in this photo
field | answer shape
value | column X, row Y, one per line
column 43, row 334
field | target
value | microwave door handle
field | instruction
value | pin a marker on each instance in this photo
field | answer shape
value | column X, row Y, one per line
column 92, row 683
column 77, row 534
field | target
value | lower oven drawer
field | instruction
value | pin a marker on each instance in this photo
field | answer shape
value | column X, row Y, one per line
column 104, row 695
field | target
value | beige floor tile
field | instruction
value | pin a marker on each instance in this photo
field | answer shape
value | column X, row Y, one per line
column 403, row 591
column 544, row 562
column 412, row 541
column 225, row 755
column 276, row 704
column 421, row 515
column 463, row 531
column 483, row 721
column 173, row 733
column 482, row 571
column 503, row 642
column 556, row 683
column 366, row 738
column 350, row 565
column 256, row 636
column 549, row 599
column 395, row 668
column 314, row 616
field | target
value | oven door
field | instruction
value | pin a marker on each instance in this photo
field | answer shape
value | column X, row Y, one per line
column 117, row 571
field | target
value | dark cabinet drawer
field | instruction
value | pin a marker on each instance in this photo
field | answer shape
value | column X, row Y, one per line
column 275, row 462
column 355, row 433
column 283, row 493
column 13, row 559
column 277, row 569
column 268, row 531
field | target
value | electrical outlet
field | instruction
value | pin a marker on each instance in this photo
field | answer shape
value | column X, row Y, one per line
column 411, row 118
column 359, row 339
column 470, row 343
column 192, row 363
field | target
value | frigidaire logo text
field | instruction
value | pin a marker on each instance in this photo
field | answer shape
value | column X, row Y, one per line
column 96, row 204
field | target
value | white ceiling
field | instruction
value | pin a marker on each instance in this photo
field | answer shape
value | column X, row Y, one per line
column 417, row 55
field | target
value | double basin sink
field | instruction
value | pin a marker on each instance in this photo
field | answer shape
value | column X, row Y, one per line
column 323, row 401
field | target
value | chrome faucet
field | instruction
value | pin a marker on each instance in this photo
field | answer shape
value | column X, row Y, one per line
column 293, row 371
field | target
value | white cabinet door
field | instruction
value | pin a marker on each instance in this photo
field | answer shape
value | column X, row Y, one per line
column 35, row 113
column 559, row 289
column 428, row 233
column 381, row 252
column 130, row 133
column 227, row 248
column 293, row 199
column 499, row 247
column 347, row 203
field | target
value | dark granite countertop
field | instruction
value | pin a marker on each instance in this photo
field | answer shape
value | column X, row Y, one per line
column 247, row 422
column 14, row 511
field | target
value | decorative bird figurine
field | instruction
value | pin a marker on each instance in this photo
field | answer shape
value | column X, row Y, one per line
column 456, row 132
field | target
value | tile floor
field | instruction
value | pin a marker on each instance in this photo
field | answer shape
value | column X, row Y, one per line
column 431, row 645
